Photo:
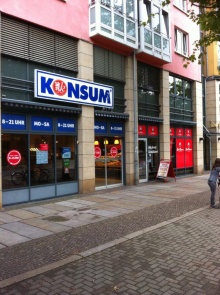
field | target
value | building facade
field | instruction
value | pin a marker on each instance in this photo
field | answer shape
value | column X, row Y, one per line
column 211, row 103
column 94, row 95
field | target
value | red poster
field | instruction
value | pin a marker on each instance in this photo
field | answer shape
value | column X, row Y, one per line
column 171, row 131
column 180, row 153
column 188, row 153
column 179, row 132
column 142, row 130
column 188, row 132
column 153, row 130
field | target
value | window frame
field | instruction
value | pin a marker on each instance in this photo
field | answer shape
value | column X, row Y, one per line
column 181, row 42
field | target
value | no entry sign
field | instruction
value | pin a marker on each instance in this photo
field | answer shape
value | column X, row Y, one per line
column 114, row 151
column 98, row 152
column 14, row 157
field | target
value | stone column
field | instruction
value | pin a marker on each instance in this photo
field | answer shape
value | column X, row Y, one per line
column 164, row 129
column 129, row 125
column 198, row 129
column 86, row 160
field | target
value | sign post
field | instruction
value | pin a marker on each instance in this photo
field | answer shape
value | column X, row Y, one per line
column 165, row 170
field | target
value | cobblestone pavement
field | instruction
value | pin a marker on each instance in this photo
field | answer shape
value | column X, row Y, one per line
column 33, row 254
column 182, row 257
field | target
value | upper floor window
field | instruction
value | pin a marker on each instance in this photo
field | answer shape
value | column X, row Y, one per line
column 181, row 4
column 181, row 40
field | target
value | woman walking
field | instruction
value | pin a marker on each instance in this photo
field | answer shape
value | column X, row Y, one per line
column 214, row 174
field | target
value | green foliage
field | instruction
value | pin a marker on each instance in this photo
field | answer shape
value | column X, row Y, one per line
column 208, row 20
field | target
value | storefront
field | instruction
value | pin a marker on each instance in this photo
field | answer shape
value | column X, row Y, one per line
column 109, row 154
column 148, row 144
column 38, row 157
column 181, row 149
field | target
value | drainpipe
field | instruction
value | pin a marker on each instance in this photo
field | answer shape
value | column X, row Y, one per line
column 136, row 160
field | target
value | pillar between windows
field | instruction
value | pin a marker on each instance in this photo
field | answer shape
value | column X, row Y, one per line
column 86, row 163
column 164, row 129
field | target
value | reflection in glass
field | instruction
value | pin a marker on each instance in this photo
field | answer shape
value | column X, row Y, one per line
column 130, row 28
column 16, row 176
column 65, row 161
column 108, row 161
column 106, row 18
column 119, row 23
column 41, row 159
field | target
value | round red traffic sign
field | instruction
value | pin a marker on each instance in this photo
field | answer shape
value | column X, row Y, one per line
column 14, row 157
column 113, row 151
column 98, row 152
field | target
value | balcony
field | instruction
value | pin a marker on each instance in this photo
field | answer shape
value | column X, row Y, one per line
column 154, row 30
column 115, row 20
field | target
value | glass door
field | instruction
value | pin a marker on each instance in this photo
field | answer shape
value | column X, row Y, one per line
column 108, row 161
column 143, row 167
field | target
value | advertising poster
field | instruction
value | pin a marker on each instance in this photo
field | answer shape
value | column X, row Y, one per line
column 188, row 153
column 180, row 153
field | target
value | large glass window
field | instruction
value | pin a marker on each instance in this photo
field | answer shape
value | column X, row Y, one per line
column 148, row 90
column 15, row 175
column 65, row 158
column 180, row 99
column 40, row 163
column 42, row 159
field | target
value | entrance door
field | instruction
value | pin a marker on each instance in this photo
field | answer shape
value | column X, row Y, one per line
column 143, row 166
column 108, row 162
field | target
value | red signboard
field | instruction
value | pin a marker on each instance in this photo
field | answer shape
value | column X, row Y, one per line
column 142, row 130
column 179, row 132
column 113, row 151
column 180, row 153
column 97, row 152
column 43, row 147
column 171, row 131
column 153, row 130
column 14, row 157
column 188, row 153
column 188, row 132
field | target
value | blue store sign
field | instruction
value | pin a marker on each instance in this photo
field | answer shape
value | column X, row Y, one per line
column 116, row 128
column 13, row 122
column 66, row 125
column 100, row 127
column 41, row 123
column 57, row 87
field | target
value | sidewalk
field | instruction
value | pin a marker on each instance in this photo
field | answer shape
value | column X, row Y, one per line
column 26, row 222
column 35, row 238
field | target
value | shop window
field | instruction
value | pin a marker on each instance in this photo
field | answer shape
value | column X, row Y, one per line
column 15, row 175
column 65, row 158
column 42, row 159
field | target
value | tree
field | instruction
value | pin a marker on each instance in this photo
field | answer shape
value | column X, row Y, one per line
column 208, row 20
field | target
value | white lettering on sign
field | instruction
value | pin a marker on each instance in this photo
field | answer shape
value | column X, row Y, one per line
column 13, row 122
column 53, row 86
column 45, row 124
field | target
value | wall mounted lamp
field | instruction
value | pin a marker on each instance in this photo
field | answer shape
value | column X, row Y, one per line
column 218, row 138
column 201, row 139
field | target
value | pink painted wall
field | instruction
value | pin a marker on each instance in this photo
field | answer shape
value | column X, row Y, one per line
column 181, row 21
column 71, row 17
